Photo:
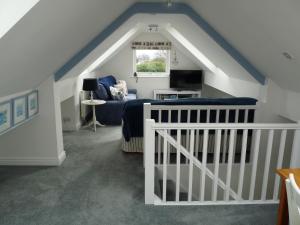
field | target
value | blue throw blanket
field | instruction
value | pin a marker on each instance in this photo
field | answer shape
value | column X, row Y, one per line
column 133, row 112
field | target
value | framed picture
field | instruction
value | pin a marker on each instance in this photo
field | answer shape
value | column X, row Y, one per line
column 19, row 110
column 33, row 103
column 5, row 116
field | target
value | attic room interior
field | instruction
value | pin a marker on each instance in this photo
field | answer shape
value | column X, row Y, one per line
column 149, row 112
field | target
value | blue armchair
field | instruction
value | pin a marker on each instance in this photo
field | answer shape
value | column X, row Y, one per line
column 111, row 112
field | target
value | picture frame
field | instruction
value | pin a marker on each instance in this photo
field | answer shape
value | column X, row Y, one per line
column 32, row 103
column 5, row 116
column 19, row 110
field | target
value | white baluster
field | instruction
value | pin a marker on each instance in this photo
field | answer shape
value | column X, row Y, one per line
column 149, row 152
column 243, row 159
column 237, row 113
column 279, row 162
column 295, row 157
column 165, row 151
column 217, row 164
column 159, row 140
column 197, row 135
column 229, row 164
column 203, row 171
column 187, row 133
column 179, row 116
column 225, row 137
column 246, row 115
column 217, row 116
column 254, row 165
column 169, row 132
column 147, row 115
column 267, row 165
column 178, row 164
column 190, row 193
column 207, row 116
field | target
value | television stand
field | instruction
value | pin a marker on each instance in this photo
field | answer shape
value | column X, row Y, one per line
column 167, row 94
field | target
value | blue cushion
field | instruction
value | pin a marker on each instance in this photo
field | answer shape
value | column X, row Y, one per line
column 107, row 82
column 101, row 93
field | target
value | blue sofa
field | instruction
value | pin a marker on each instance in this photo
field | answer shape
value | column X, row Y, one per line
column 133, row 115
column 111, row 112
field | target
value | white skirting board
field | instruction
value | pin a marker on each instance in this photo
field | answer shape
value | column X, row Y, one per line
column 33, row 161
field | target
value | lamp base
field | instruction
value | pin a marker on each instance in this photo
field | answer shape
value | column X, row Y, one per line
column 91, row 96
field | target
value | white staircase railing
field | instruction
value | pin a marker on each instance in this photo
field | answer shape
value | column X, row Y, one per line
column 246, row 177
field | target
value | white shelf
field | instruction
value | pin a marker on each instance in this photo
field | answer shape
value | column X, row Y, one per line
column 164, row 94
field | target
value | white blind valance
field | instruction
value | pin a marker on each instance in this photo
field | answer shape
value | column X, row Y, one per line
column 155, row 45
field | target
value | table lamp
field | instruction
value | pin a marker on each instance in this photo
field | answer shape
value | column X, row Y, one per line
column 90, row 84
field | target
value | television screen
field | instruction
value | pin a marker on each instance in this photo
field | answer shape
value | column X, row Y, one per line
column 186, row 79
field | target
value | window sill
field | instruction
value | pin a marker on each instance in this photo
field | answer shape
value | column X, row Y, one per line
column 152, row 75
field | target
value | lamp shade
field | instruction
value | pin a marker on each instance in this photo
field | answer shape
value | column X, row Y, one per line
column 90, row 84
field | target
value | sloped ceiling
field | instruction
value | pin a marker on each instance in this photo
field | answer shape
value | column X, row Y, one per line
column 54, row 30
column 10, row 14
column 261, row 30
column 47, row 36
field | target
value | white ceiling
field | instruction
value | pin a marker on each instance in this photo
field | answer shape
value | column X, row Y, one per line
column 11, row 11
column 48, row 36
column 261, row 30
column 54, row 30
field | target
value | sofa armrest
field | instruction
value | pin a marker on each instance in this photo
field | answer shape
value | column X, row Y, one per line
column 109, row 113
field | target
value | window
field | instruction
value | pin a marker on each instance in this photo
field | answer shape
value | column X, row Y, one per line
column 151, row 62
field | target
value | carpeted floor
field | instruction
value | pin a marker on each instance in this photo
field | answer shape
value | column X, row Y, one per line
column 98, row 184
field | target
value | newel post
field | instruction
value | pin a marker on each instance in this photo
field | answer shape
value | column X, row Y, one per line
column 295, row 156
column 149, row 157
column 147, row 115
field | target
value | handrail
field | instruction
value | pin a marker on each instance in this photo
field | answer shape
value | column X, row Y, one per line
column 202, row 107
column 218, row 126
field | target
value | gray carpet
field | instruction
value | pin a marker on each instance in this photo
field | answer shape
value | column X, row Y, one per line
column 98, row 184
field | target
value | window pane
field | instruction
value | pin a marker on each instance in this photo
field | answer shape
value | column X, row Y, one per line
column 151, row 61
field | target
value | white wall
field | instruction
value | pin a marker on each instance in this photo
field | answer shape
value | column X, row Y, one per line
column 280, row 105
column 121, row 66
column 271, row 109
column 40, row 141
column 233, row 86
column 291, row 109
column 68, row 115
column 274, row 98
column 69, row 93
column 244, row 84
column 238, row 82
column 210, row 92
column 223, row 72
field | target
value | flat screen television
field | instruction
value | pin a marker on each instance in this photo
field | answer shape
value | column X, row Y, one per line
column 186, row 79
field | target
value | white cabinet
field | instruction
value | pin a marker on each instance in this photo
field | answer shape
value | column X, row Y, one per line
column 175, row 94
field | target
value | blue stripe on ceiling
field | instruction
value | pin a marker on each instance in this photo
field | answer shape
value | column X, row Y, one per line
column 153, row 8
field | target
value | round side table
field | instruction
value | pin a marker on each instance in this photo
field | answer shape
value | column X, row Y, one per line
column 93, row 103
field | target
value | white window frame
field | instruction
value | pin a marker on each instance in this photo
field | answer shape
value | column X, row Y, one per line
column 152, row 74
